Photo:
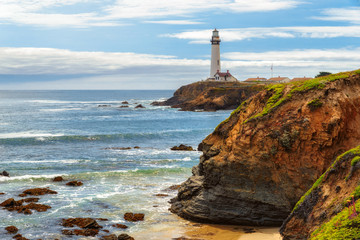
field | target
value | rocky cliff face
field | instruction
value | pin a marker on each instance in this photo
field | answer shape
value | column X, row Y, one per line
column 258, row 163
column 211, row 96
column 331, row 208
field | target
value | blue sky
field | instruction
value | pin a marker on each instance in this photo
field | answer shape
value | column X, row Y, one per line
column 163, row 44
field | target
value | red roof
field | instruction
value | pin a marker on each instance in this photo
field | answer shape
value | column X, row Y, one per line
column 223, row 74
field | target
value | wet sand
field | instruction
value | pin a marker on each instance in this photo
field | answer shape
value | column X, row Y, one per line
column 173, row 227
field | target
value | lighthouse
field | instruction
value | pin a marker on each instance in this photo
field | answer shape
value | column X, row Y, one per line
column 215, row 53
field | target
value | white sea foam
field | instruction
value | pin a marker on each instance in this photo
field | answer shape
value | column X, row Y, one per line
column 48, row 161
column 29, row 134
column 29, row 177
column 60, row 109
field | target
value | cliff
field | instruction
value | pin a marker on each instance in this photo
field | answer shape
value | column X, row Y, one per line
column 210, row 96
column 328, row 210
column 259, row 162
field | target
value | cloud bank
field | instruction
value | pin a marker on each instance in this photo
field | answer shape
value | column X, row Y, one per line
column 240, row 34
column 61, row 13
column 105, row 70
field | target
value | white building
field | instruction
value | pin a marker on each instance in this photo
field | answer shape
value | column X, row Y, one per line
column 215, row 69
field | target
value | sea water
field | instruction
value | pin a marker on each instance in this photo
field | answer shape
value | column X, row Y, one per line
column 78, row 135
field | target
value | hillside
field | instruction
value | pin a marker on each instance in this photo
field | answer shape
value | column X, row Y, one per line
column 328, row 210
column 210, row 96
column 259, row 162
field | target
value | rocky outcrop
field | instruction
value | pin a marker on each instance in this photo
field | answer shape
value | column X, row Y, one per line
column 331, row 208
column 210, row 96
column 258, row 163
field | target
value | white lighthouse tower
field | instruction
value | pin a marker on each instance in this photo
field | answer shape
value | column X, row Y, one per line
column 215, row 54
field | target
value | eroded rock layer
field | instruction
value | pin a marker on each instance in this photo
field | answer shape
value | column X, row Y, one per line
column 258, row 163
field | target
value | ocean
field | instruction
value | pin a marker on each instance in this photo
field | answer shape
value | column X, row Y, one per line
column 78, row 135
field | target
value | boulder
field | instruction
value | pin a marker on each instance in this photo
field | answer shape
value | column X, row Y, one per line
column 58, row 179
column 139, row 106
column 122, row 226
column 81, row 222
column 19, row 237
column 5, row 174
column 74, row 183
column 38, row 192
column 124, row 236
column 182, row 147
column 124, row 102
column 12, row 229
column 134, row 217
column 110, row 237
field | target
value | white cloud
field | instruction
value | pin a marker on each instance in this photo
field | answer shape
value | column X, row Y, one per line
column 351, row 15
column 239, row 34
column 144, row 71
column 53, row 12
column 175, row 22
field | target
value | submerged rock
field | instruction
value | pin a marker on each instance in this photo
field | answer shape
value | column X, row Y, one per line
column 74, row 184
column 122, row 226
column 81, row 222
column 110, row 237
column 5, row 174
column 134, row 217
column 58, row 179
column 139, row 106
column 124, row 236
column 19, row 237
column 12, row 229
column 182, row 147
column 124, row 102
column 37, row 192
column 258, row 163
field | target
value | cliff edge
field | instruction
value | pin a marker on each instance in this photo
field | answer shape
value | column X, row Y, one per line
column 259, row 162
column 331, row 208
column 211, row 96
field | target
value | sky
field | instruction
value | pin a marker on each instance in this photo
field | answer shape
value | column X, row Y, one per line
column 164, row 44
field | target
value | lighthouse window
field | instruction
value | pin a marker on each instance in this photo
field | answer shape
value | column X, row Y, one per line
column 218, row 62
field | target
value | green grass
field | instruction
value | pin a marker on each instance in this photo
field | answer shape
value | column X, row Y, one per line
column 355, row 160
column 314, row 104
column 340, row 227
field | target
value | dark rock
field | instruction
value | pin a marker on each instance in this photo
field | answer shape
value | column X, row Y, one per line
column 19, row 237
column 86, row 232
column 74, row 183
column 102, row 219
column 12, row 229
column 105, row 230
column 139, row 106
column 136, row 147
column 8, row 203
column 118, row 148
column 67, row 232
column 81, row 222
column 1, row 193
column 104, row 105
column 124, row 102
column 249, row 230
column 29, row 200
column 124, row 236
column 123, row 106
column 37, row 192
column 161, row 195
column 122, row 226
column 58, row 179
column 172, row 188
column 5, row 174
column 134, row 217
column 182, row 147
column 110, row 237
